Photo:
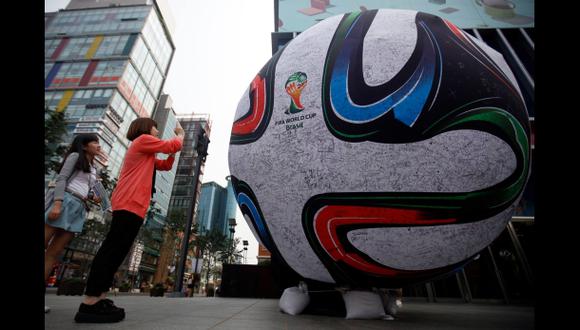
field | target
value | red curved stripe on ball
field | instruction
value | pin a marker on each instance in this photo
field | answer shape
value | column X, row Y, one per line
column 249, row 124
column 329, row 218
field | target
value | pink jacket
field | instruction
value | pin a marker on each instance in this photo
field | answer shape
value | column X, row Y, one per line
column 133, row 190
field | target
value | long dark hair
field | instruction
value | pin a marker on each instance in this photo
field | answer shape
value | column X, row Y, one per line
column 77, row 145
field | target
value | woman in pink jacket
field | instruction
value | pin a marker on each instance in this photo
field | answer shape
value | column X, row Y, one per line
column 129, row 203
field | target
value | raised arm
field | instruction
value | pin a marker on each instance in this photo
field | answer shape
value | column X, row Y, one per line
column 165, row 165
column 150, row 144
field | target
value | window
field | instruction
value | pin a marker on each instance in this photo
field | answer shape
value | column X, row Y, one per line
column 106, row 47
column 121, row 45
column 50, row 46
column 99, row 21
column 148, row 103
column 155, row 83
column 107, row 73
column 139, row 53
column 157, row 41
column 78, row 94
column 57, row 96
column 130, row 77
column 76, row 48
column 139, row 91
column 48, row 96
column 58, row 79
column 47, row 68
column 148, row 68
column 74, row 74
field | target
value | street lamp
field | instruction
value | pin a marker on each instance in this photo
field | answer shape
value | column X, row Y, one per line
column 201, row 148
column 232, row 223
column 245, row 243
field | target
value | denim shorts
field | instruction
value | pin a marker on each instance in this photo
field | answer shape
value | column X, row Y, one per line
column 72, row 216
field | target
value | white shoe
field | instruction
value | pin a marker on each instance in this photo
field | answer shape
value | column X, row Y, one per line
column 388, row 317
column 46, row 309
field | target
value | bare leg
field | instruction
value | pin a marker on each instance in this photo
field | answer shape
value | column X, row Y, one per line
column 60, row 238
column 48, row 235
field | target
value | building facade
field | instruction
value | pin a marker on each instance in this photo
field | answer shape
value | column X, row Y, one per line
column 105, row 65
column 231, row 207
column 217, row 209
column 210, row 214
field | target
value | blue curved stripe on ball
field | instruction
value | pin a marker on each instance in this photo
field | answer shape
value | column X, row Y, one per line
column 244, row 199
column 407, row 101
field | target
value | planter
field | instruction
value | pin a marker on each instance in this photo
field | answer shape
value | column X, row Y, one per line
column 125, row 287
column 71, row 287
column 210, row 291
column 157, row 291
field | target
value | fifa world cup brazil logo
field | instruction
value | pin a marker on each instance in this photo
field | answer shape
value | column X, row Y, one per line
column 294, row 86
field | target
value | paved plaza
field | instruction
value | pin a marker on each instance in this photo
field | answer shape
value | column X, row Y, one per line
column 162, row 313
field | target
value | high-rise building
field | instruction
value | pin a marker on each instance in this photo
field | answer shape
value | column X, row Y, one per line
column 105, row 63
column 217, row 209
column 186, row 176
column 211, row 209
column 231, row 207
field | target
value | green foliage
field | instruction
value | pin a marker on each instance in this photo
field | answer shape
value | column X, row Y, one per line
column 125, row 287
column 175, row 221
column 211, row 244
column 229, row 254
column 108, row 183
column 94, row 231
column 148, row 232
column 54, row 132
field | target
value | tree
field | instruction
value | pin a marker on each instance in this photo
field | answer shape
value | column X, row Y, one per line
column 54, row 132
column 230, row 253
column 108, row 183
column 175, row 221
column 147, row 231
column 210, row 244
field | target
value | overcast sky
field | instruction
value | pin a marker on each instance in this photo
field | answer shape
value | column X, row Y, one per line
column 220, row 47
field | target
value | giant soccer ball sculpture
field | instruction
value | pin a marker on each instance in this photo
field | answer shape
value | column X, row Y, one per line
column 380, row 149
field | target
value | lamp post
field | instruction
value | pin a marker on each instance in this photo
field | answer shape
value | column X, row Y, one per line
column 245, row 243
column 232, row 223
column 201, row 148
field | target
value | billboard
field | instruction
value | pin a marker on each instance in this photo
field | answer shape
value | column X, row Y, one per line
column 299, row 15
